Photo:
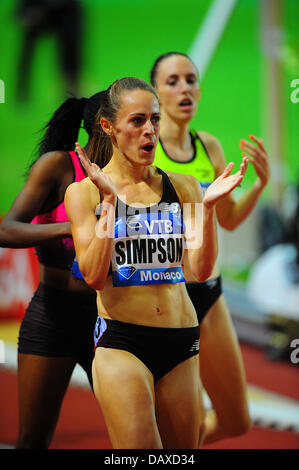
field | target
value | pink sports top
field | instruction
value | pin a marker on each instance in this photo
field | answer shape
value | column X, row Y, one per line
column 59, row 253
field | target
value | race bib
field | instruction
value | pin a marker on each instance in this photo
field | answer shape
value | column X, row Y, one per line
column 148, row 248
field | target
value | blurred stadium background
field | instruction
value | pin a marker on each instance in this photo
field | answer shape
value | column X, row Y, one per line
column 249, row 73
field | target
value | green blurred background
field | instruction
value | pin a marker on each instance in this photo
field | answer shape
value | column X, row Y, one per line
column 123, row 38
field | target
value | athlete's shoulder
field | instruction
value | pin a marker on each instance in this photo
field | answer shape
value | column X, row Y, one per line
column 55, row 157
column 81, row 199
column 186, row 186
column 83, row 188
column 208, row 139
column 50, row 168
column 214, row 149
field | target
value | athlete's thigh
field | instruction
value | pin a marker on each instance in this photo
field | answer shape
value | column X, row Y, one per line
column 221, row 363
column 42, row 382
column 124, row 388
column 179, row 406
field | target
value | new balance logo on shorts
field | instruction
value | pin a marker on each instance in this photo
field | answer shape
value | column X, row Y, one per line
column 195, row 346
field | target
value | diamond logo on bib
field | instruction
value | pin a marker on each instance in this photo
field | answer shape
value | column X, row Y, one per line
column 127, row 272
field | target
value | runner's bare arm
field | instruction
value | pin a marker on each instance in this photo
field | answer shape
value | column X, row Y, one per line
column 93, row 239
column 16, row 230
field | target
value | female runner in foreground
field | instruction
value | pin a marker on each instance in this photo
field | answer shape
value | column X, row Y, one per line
column 184, row 150
column 128, row 228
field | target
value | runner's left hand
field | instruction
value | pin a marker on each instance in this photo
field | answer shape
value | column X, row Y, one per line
column 225, row 183
column 258, row 157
